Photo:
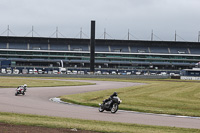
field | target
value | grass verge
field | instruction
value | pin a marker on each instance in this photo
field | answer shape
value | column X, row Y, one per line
column 189, row 91
column 9, row 82
column 175, row 97
column 91, row 125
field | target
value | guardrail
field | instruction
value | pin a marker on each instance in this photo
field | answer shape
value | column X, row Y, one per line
column 91, row 76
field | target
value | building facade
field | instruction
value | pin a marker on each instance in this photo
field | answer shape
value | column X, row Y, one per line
column 39, row 52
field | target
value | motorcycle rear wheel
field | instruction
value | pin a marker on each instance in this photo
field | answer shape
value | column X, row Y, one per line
column 114, row 108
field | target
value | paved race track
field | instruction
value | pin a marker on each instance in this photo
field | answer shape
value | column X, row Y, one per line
column 36, row 101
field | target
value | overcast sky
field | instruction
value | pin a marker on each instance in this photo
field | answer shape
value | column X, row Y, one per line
column 116, row 16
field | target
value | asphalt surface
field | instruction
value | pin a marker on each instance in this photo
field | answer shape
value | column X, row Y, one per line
column 36, row 101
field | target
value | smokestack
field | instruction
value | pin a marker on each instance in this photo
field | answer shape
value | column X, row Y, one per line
column 92, row 46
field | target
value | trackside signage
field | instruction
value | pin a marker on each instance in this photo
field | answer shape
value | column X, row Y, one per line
column 190, row 78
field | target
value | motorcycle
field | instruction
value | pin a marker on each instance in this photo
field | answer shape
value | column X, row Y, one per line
column 111, row 105
column 19, row 90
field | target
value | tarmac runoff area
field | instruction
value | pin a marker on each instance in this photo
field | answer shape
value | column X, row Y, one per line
column 36, row 101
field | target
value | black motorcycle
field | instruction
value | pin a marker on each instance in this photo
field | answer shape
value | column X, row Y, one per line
column 111, row 105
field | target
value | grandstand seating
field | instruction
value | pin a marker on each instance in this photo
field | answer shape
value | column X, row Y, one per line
column 17, row 46
column 78, row 61
column 121, row 62
column 79, row 47
column 38, row 46
column 195, row 50
column 16, row 58
column 119, row 48
column 140, row 62
column 2, row 59
column 133, row 53
column 160, row 63
column 163, row 50
column 101, row 48
column 82, row 61
column 138, row 49
column 178, row 50
column 3, row 45
column 101, row 61
column 179, row 63
column 59, row 47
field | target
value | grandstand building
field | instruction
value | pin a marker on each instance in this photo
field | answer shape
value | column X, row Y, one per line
column 41, row 52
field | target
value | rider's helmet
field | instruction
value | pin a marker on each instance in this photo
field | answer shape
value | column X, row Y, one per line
column 25, row 85
column 115, row 94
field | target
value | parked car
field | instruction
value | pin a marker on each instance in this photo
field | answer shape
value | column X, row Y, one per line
column 9, row 71
column 15, row 71
column 30, row 71
column 35, row 71
column 55, row 71
column 24, row 71
column 40, row 71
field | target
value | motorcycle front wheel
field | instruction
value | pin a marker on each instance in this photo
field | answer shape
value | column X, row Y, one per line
column 101, row 108
column 114, row 108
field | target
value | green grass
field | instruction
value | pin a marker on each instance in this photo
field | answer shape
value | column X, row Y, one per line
column 91, row 125
column 9, row 82
column 157, row 96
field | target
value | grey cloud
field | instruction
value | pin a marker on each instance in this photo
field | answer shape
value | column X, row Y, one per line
column 117, row 16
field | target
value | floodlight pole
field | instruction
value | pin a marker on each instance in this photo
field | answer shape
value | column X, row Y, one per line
column 104, row 33
column 151, row 35
column 175, row 35
column 56, row 32
column 128, row 34
column 81, row 32
column 8, row 31
column 32, row 31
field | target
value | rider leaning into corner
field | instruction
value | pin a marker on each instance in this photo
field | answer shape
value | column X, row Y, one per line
column 110, row 104
column 112, row 97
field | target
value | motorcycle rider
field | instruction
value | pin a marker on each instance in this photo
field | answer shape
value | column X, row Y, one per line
column 25, row 87
column 110, row 104
column 110, row 98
